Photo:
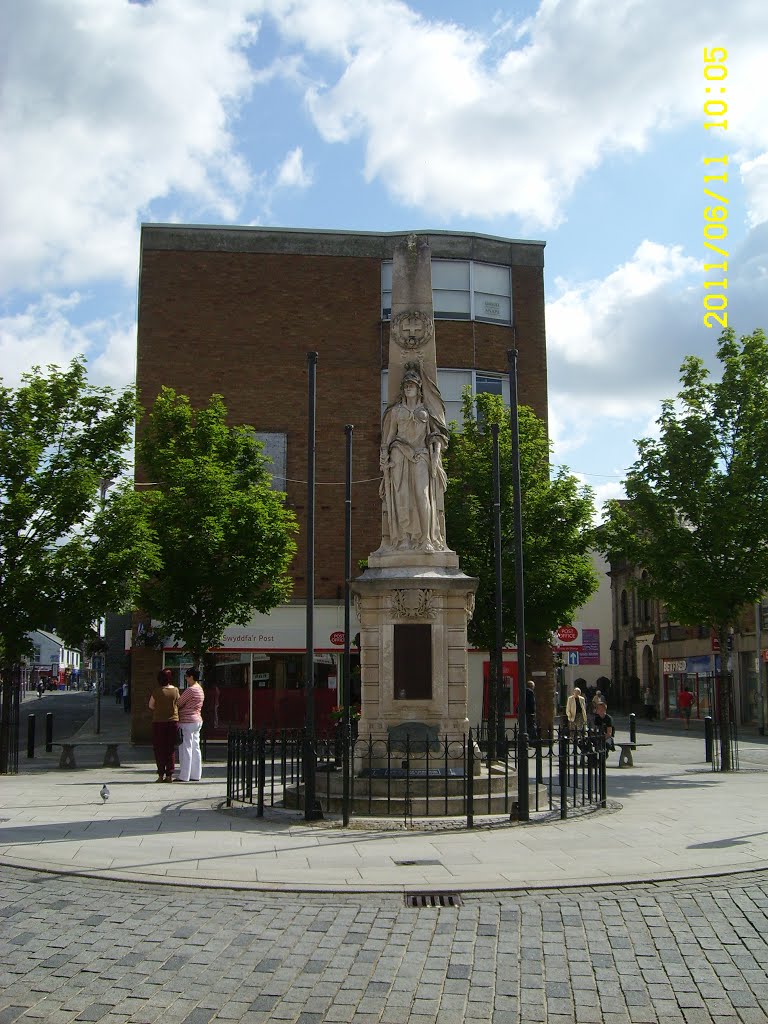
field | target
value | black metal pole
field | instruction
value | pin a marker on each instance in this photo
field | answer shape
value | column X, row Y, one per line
column 312, row 811
column 347, row 738
column 522, row 780
column 708, row 739
column 49, row 732
column 30, row 735
column 496, row 743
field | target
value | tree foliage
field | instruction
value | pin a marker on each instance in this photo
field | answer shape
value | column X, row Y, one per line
column 557, row 523
column 696, row 513
column 225, row 537
column 66, row 557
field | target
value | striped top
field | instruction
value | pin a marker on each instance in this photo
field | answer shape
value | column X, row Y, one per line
column 190, row 703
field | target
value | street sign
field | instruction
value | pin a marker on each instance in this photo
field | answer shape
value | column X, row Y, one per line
column 573, row 657
column 568, row 637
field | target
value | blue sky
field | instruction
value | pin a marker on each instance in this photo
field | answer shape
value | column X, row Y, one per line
column 579, row 122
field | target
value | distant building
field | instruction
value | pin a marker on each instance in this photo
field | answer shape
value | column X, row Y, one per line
column 650, row 650
column 52, row 661
column 586, row 662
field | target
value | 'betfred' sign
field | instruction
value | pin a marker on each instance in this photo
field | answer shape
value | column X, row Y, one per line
column 568, row 638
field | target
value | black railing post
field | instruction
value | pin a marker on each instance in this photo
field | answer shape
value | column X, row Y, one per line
column 633, row 728
column 708, row 738
column 30, row 735
column 49, row 732
column 523, row 795
column 470, row 780
column 563, row 772
column 230, row 766
column 603, row 774
column 260, row 777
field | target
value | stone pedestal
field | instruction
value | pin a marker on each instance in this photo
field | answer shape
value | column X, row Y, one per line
column 413, row 675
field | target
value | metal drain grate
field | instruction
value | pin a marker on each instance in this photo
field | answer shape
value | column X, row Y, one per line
column 432, row 899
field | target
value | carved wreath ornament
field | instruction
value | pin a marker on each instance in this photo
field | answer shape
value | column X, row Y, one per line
column 412, row 604
column 412, row 330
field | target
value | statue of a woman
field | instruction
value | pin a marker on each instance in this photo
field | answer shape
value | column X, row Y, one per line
column 414, row 434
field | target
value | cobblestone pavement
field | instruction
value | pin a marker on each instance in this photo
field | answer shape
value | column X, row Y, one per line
column 115, row 952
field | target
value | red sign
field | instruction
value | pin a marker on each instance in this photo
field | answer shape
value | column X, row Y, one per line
column 567, row 634
column 765, row 655
column 337, row 638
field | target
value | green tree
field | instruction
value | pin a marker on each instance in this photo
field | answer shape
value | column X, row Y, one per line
column 61, row 562
column 225, row 537
column 557, row 525
column 696, row 512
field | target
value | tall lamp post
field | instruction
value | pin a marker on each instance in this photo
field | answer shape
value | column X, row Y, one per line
column 104, row 484
column 345, row 680
column 312, row 811
column 522, row 749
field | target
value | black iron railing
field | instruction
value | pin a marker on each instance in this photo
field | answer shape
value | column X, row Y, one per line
column 412, row 777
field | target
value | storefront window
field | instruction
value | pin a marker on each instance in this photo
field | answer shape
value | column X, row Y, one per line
column 266, row 691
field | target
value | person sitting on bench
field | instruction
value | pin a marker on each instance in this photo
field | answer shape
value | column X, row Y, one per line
column 604, row 724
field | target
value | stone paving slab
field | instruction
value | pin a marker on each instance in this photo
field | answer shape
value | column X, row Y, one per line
column 669, row 817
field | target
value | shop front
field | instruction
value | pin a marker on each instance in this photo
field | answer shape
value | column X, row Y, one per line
column 696, row 673
column 257, row 678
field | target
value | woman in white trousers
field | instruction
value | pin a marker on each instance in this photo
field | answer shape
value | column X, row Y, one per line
column 190, row 723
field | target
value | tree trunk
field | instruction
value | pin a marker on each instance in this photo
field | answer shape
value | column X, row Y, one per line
column 6, row 717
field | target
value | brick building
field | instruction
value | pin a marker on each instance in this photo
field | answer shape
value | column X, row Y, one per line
column 235, row 311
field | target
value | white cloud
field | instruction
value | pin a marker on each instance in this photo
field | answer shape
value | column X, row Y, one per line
column 601, row 321
column 456, row 128
column 292, row 173
column 44, row 333
column 107, row 106
column 754, row 175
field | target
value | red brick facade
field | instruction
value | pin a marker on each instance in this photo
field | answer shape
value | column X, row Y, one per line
column 240, row 323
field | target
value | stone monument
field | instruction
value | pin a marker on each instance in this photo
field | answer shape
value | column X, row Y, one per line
column 413, row 601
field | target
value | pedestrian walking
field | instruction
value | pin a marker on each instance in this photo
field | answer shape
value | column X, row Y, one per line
column 576, row 711
column 650, row 703
column 530, row 709
column 164, row 705
column 685, row 704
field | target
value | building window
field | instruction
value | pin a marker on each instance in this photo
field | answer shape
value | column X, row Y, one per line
column 453, row 382
column 461, row 290
column 624, row 609
column 276, row 449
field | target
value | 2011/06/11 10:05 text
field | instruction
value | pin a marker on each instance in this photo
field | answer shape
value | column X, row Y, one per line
column 716, row 215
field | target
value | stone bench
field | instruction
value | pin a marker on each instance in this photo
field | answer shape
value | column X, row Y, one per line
column 67, row 759
column 625, row 755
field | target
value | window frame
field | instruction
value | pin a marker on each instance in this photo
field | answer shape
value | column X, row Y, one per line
column 472, row 265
